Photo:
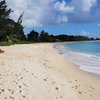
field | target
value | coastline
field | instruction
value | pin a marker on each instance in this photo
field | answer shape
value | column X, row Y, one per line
column 39, row 71
column 62, row 43
column 84, row 60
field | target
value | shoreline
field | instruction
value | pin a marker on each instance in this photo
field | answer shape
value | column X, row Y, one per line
column 68, row 53
column 62, row 43
column 39, row 72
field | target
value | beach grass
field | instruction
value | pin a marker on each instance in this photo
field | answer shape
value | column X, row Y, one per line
column 13, row 43
column 5, row 43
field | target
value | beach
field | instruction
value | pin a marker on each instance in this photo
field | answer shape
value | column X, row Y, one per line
column 40, row 72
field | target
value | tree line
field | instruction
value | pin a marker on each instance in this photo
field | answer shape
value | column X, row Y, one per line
column 46, row 37
column 12, row 31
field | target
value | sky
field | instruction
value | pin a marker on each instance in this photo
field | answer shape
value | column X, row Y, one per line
column 72, row 17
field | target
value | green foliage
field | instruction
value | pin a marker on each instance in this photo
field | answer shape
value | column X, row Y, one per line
column 18, row 29
column 97, row 38
column 5, row 43
column 33, row 36
column 10, row 30
column 44, row 37
column 24, row 42
column 4, row 14
column 71, row 38
column 20, row 18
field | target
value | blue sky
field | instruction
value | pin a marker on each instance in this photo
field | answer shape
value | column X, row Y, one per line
column 86, row 29
column 72, row 17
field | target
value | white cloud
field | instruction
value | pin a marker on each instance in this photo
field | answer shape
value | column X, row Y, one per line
column 83, row 5
column 88, row 4
column 41, row 12
column 62, row 19
column 98, row 25
column 35, row 11
column 83, row 11
column 84, row 33
column 64, row 7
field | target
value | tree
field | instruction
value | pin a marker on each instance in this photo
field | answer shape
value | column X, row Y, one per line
column 4, row 15
column 44, row 37
column 20, row 18
column 53, row 38
column 62, row 37
column 97, row 38
column 4, row 12
column 33, row 36
column 18, row 29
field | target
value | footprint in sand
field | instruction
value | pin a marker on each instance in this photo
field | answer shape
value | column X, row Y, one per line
column 23, row 96
column 20, row 87
column 56, row 88
column 76, row 87
column 70, row 81
column 76, row 80
column 15, row 82
column 32, row 74
column 80, row 92
column 20, row 91
column 5, row 98
column 2, row 90
column 21, row 78
column 44, row 63
column 11, row 91
column 11, row 97
column 44, row 79
column 59, row 97
column 24, row 69
column 24, row 84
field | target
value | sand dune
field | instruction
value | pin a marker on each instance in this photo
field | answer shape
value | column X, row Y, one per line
column 40, row 72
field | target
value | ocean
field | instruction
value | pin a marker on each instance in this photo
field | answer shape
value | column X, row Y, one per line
column 85, row 54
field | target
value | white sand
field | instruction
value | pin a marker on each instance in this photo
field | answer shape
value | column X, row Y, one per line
column 39, row 72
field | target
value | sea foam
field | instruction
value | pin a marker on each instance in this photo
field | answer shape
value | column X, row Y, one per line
column 85, row 61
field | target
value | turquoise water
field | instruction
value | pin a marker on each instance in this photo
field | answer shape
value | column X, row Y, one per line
column 86, row 47
column 85, row 54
